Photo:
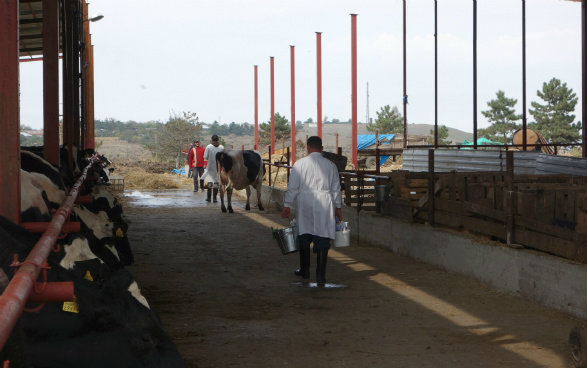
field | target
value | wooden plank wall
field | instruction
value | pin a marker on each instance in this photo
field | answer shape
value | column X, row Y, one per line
column 548, row 213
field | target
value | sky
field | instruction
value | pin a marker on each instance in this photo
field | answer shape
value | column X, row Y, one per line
column 154, row 59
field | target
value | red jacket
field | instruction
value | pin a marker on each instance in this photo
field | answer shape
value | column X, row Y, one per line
column 199, row 157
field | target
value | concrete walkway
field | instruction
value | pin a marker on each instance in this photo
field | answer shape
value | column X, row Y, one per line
column 227, row 297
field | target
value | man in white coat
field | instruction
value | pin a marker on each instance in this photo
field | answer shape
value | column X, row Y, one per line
column 211, row 174
column 314, row 185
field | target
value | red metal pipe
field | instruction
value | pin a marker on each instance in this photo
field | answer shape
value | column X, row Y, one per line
column 52, row 292
column 17, row 292
column 354, row 90
column 41, row 227
column 272, row 120
column 319, row 87
column 9, row 112
column 256, row 128
column 292, row 106
column 87, row 199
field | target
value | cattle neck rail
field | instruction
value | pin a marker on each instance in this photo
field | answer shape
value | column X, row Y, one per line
column 19, row 290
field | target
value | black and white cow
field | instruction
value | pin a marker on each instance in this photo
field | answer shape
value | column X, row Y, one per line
column 239, row 169
column 109, row 325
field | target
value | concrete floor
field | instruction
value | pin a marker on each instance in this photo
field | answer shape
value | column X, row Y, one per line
column 228, row 297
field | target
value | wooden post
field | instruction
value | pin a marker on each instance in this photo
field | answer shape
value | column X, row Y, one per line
column 508, row 205
column 431, row 187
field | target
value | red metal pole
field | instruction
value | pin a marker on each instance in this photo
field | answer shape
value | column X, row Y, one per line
column 292, row 106
column 256, row 129
column 17, row 292
column 51, row 81
column 58, row 291
column 272, row 120
column 354, row 90
column 319, row 87
column 9, row 112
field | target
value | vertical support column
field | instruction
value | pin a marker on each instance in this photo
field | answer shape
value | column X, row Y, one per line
column 51, row 81
column 67, row 74
column 272, row 120
column 404, row 95
column 256, row 122
column 475, row 48
column 9, row 112
column 431, row 211
column 508, row 205
column 319, row 87
column 292, row 106
column 354, row 90
column 91, row 143
column 524, row 77
column 584, row 118
column 87, row 121
column 76, row 18
column 436, row 141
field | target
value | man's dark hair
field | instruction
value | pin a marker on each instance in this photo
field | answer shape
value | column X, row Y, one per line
column 215, row 137
column 314, row 142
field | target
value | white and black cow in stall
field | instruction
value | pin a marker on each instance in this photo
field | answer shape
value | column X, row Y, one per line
column 109, row 325
column 239, row 169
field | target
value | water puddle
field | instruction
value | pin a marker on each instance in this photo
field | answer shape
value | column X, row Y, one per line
column 171, row 198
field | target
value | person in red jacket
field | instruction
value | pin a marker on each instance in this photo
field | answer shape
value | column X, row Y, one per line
column 196, row 164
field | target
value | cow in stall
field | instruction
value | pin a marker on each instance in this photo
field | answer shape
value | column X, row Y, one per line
column 239, row 169
column 109, row 316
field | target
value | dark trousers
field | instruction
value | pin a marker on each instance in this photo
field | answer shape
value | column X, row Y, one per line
column 319, row 242
column 197, row 172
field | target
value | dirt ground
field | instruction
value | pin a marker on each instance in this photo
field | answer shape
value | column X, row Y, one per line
column 228, row 298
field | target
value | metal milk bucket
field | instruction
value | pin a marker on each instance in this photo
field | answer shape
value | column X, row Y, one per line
column 286, row 239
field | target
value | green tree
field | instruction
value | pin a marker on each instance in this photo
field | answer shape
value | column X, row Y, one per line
column 281, row 129
column 503, row 119
column 388, row 121
column 172, row 138
column 554, row 119
column 442, row 134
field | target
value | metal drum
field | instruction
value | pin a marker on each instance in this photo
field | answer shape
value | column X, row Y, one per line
column 286, row 239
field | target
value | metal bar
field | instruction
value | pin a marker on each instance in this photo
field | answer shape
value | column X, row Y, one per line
column 75, row 78
column 53, row 292
column 256, row 126
column 269, row 171
column 509, row 205
column 475, row 76
column 524, row 77
column 272, row 120
column 436, row 85
column 17, row 292
column 9, row 111
column 584, row 91
column 293, row 109
column 51, row 81
column 67, row 74
column 354, row 90
column 319, row 87
column 404, row 96
column 431, row 212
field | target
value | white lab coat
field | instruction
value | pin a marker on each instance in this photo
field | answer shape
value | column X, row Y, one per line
column 210, row 173
column 314, row 184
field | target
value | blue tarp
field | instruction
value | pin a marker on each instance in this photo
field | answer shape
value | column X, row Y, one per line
column 179, row 171
column 366, row 140
column 481, row 142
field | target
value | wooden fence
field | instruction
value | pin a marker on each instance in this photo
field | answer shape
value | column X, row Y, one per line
column 546, row 213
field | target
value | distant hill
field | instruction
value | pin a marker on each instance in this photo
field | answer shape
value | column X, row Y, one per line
column 455, row 135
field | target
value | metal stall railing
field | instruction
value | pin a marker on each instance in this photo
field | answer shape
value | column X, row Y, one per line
column 20, row 289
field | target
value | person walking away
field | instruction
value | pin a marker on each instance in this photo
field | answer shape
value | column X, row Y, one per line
column 315, row 189
column 210, row 173
column 188, row 159
column 196, row 164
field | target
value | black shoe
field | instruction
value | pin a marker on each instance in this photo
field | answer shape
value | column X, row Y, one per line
column 304, row 270
column 215, row 192
column 305, row 274
column 208, row 193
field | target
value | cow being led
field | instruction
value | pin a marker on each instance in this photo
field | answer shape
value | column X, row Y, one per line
column 240, row 170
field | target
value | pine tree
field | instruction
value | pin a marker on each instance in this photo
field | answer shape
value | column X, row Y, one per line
column 554, row 120
column 388, row 121
column 502, row 118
